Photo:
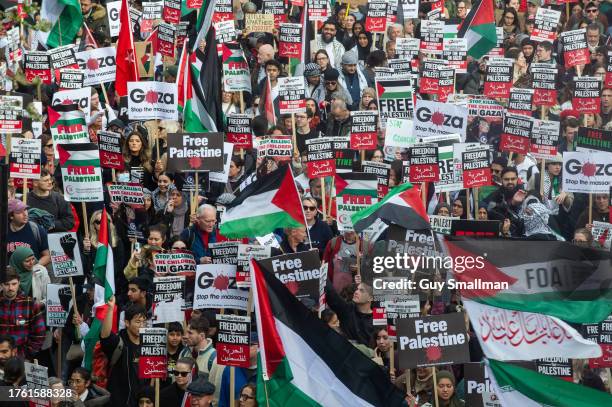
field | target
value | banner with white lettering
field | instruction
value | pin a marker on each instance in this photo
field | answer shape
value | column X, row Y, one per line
column 195, row 152
column 152, row 100
column 152, row 363
column 233, row 340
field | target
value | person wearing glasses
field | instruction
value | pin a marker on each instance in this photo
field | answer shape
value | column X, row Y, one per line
column 123, row 350
column 591, row 13
column 90, row 394
column 173, row 394
column 248, row 395
column 33, row 278
column 43, row 197
column 319, row 231
column 201, row 233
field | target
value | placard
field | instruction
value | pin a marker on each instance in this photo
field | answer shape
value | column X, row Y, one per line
column 608, row 78
column 112, row 11
column 37, row 63
column 259, row 23
column 224, row 252
column 63, row 57
column 557, row 367
column 290, row 40
column 56, row 313
column 395, row 97
column 475, row 228
column 587, row 172
column 81, row 172
column 544, row 139
column 601, row 334
column 363, row 130
column 99, row 64
column 318, row 10
column 222, row 11
column 152, row 100
column 291, row 95
column 36, row 375
column 321, row 160
column 216, row 288
column 176, row 261
column 602, row 234
column 402, row 305
column 575, row 48
column 168, row 299
column 476, row 167
column 299, row 272
column 195, row 152
column 407, row 48
column 521, row 101
column 239, row 131
column 233, row 340
column 594, row 139
column 236, row 74
column 79, row 97
column 245, row 252
column 544, row 83
column 441, row 224
column 446, row 83
column 152, row 10
column 65, row 254
column 166, row 34
column 382, row 171
column 225, row 31
column 172, row 12
column 546, row 21
column 110, row 150
column 127, row 194
column 498, row 79
column 279, row 148
column 432, row 34
column 434, row 118
column 376, row 16
column 586, row 97
column 24, row 159
column 277, row 8
column 71, row 79
column 478, row 387
column 355, row 191
column 153, row 360
column 486, row 109
column 454, row 50
column 424, row 163
column 429, row 82
column 516, row 133
column 432, row 340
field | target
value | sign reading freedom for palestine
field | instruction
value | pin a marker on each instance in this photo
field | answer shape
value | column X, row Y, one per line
column 195, row 152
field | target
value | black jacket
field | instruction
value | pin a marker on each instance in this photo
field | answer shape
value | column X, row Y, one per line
column 355, row 325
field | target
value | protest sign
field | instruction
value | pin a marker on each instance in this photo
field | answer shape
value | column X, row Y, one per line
column 79, row 97
column 399, row 133
column 382, row 171
column 558, row 367
column 279, row 148
column 343, row 154
column 276, row 8
column 446, row 83
column 153, row 358
column 544, row 139
column 63, row 57
column 602, row 234
column 81, row 172
column 99, row 65
column 112, row 11
column 486, row 109
column 13, row 49
column 376, row 16
column 601, row 334
column 544, row 82
column 36, row 375
column 608, row 78
column 407, row 48
column 355, row 192
column 233, row 340
column 424, row 163
column 246, row 251
column 221, row 176
column 299, row 272
column 236, row 74
column 291, row 95
column 516, row 133
column 402, row 305
column 24, row 160
column 195, row 152
column 65, row 254
column 110, row 150
column 152, row 100
column 429, row 83
column 37, row 63
column 172, row 11
column 166, row 35
column 594, row 139
column 521, row 101
column 454, row 50
column 432, row 34
column 174, row 262
column 475, row 228
column 498, row 79
column 432, row 340
column 318, row 10
column 379, row 316
column 11, row 114
column 478, row 388
column 56, row 313
column 239, row 130
column 434, row 118
column 224, row 252
column 321, row 160
column 587, row 94
column 216, row 288
column 225, row 31
column 71, row 79
column 127, row 194
column 395, row 97
column 221, row 12
column 410, row 8
column 546, row 21
column 445, row 144
column 290, row 39
column 152, row 10
column 458, row 150
column 587, row 172
column 168, row 299
column 441, row 224
column 575, row 48
column 259, row 23
column 476, row 169
column 363, row 130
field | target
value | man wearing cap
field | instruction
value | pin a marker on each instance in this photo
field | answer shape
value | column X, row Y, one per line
column 314, row 87
column 351, row 78
column 22, row 232
column 201, row 392
column 327, row 40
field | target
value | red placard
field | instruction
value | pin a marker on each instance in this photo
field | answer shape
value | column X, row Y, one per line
column 477, row 178
column 514, row 143
column 321, row 168
column 363, row 141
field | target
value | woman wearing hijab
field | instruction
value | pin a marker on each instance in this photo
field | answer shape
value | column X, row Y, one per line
column 33, row 278
column 363, row 45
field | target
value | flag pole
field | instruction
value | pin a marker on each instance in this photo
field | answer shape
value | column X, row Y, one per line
column 435, row 386
column 302, row 208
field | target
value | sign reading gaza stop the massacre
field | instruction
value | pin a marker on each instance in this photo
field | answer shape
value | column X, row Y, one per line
column 215, row 287
column 233, row 340
column 299, row 272
column 195, row 152
column 434, row 118
column 587, row 172
column 99, row 65
column 152, row 361
column 152, row 100
column 432, row 340
column 291, row 95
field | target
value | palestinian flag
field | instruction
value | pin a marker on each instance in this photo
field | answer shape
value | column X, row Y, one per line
column 518, row 386
column 403, row 206
column 66, row 19
column 355, row 191
column 67, row 115
column 303, row 362
column 269, row 203
column 394, row 89
column 79, row 155
column 548, row 277
column 104, row 280
column 479, row 29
